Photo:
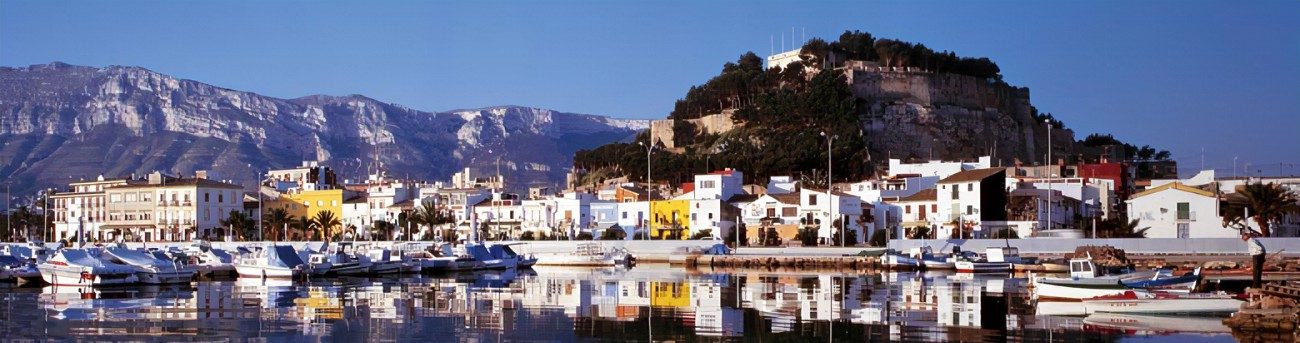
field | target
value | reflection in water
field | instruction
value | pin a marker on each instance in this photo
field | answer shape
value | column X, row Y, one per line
column 559, row 304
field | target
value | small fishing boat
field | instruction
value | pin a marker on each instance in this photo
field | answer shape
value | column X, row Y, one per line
column 1137, row 301
column 1086, row 282
column 995, row 260
column 275, row 261
column 84, row 267
column 484, row 258
column 895, row 260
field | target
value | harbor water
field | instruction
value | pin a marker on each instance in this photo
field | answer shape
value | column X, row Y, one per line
column 644, row 303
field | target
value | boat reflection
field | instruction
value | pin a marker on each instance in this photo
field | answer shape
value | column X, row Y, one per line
column 568, row 304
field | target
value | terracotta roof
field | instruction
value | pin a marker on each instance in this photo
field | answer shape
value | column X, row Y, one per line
column 406, row 204
column 788, row 198
column 928, row 194
column 1173, row 185
column 973, row 175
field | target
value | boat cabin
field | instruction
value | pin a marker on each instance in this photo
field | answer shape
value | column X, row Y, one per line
column 1002, row 254
column 1081, row 268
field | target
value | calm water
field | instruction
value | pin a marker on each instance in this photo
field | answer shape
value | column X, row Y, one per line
column 550, row 304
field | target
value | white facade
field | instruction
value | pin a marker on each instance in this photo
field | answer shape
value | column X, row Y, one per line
column 936, row 168
column 873, row 191
column 718, row 185
column 814, row 204
column 634, row 215
column 1175, row 210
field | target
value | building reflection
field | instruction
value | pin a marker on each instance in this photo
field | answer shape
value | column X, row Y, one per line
column 641, row 304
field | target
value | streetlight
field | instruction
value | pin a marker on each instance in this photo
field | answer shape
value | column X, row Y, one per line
column 258, row 176
column 649, row 147
column 830, row 185
column 1049, row 172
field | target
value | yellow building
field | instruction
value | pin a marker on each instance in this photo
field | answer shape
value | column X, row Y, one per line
column 670, row 294
column 667, row 216
column 305, row 204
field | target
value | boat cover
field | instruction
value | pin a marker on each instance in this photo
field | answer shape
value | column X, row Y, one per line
column 82, row 257
column 6, row 260
column 222, row 255
column 282, row 256
column 479, row 252
column 502, row 251
column 137, row 258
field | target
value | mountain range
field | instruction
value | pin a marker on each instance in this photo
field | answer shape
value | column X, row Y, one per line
column 61, row 123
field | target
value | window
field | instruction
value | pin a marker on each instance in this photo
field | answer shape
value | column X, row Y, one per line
column 320, row 202
column 624, row 214
column 115, row 198
column 771, row 212
column 694, row 216
column 1184, row 212
column 970, row 209
column 955, row 193
column 789, row 211
column 706, row 184
column 812, row 200
column 221, row 197
column 934, row 208
column 907, row 209
column 1184, row 230
column 207, row 197
column 970, row 187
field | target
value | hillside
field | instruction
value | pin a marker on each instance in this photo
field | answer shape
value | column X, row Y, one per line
column 63, row 122
column 882, row 98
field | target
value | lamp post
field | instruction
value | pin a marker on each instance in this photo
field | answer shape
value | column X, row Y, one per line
column 830, row 185
column 258, row 176
column 1049, row 172
column 649, row 147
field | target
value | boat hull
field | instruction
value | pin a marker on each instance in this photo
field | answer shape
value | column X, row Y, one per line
column 1163, row 306
column 82, row 276
column 165, row 277
column 1053, row 291
column 982, row 267
column 266, row 272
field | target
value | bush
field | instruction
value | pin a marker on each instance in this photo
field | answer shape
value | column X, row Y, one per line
column 807, row 236
column 879, row 238
column 613, row 234
column 852, row 234
column 706, row 233
column 771, row 238
column 585, row 236
column 528, row 236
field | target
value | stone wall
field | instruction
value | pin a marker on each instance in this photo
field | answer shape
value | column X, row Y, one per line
column 661, row 131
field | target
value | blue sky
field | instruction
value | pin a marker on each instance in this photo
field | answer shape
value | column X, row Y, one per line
column 1178, row 75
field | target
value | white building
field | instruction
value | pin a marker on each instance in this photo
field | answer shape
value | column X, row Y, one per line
column 814, row 205
column 975, row 199
column 936, row 168
column 1175, row 210
column 82, row 208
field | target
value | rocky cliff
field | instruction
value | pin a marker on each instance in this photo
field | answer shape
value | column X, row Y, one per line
column 61, row 122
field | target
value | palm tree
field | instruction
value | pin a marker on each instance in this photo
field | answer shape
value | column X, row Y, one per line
column 1267, row 203
column 276, row 219
column 21, row 221
column 240, row 224
column 1116, row 228
column 381, row 228
column 429, row 214
column 303, row 224
column 325, row 221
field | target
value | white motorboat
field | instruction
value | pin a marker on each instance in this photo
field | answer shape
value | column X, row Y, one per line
column 591, row 254
column 149, row 269
column 211, row 261
column 451, row 259
column 1145, row 324
column 1086, row 281
column 274, row 261
column 382, row 261
column 1137, row 301
column 84, row 267
column 504, row 252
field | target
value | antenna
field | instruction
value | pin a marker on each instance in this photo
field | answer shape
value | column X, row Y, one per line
column 783, row 42
column 771, row 45
column 805, row 35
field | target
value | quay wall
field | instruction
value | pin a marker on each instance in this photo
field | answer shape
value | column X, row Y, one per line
column 1155, row 246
